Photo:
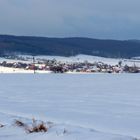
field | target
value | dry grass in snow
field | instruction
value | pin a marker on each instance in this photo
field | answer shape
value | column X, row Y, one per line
column 35, row 127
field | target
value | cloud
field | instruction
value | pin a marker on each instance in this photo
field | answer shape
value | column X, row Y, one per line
column 62, row 18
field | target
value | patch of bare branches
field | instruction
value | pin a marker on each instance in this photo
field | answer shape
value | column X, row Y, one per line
column 20, row 123
column 35, row 127
column 1, row 125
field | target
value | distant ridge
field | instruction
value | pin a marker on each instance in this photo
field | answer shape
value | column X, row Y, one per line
column 10, row 45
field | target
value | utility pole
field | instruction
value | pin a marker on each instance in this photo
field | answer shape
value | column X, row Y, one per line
column 34, row 64
column 72, row 60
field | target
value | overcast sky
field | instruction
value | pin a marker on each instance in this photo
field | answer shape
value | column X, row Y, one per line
column 108, row 19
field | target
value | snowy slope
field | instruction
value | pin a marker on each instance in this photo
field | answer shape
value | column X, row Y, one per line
column 99, row 106
column 89, row 58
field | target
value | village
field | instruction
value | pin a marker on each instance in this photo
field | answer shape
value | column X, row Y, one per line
column 55, row 66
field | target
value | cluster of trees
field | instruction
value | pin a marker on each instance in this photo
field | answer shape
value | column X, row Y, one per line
column 68, row 46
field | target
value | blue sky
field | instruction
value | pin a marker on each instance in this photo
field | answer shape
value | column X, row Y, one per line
column 108, row 19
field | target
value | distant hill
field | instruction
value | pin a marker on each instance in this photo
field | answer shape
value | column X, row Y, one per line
column 68, row 46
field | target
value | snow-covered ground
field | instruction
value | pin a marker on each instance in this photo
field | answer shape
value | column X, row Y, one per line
column 89, row 58
column 18, row 70
column 91, row 107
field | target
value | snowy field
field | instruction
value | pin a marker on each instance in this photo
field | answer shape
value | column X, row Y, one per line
column 85, row 107
column 89, row 58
